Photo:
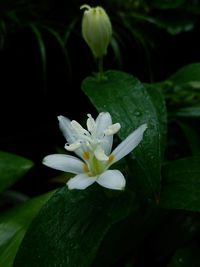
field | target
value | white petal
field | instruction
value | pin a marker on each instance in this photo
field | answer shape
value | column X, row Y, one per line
column 126, row 146
column 80, row 181
column 112, row 179
column 64, row 163
column 107, row 144
column 78, row 128
column 66, row 128
column 103, row 121
column 68, row 132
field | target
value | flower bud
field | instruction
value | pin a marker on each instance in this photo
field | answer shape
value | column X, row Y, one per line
column 96, row 29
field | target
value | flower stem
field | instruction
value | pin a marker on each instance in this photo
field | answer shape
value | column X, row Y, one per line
column 100, row 67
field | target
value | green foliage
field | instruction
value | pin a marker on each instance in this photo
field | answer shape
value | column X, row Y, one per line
column 192, row 137
column 183, row 90
column 71, row 226
column 181, row 185
column 13, row 226
column 12, row 167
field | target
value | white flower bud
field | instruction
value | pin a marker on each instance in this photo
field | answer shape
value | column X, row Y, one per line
column 96, row 29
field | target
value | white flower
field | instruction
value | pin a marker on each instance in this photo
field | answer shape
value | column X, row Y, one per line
column 93, row 146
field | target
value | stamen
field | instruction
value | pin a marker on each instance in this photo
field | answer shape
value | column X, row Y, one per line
column 85, row 168
column 110, row 159
column 73, row 146
column 100, row 154
column 112, row 129
column 86, row 155
column 91, row 124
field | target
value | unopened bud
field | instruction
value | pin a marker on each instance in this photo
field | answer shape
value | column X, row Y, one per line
column 96, row 29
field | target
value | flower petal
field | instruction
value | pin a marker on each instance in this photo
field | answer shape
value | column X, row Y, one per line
column 66, row 129
column 126, row 146
column 112, row 179
column 80, row 181
column 68, row 132
column 64, row 163
column 103, row 121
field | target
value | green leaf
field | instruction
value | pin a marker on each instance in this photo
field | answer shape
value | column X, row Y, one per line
column 181, row 185
column 13, row 225
column 188, row 112
column 178, row 26
column 42, row 49
column 61, row 44
column 12, row 167
column 154, row 91
column 186, row 257
column 176, row 228
column 182, row 90
column 187, row 74
column 130, row 104
column 168, row 4
column 125, row 237
column 69, row 30
column 192, row 137
column 70, row 227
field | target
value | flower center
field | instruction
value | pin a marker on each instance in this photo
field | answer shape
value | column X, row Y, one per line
column 94, row 167
column 91, row 139
column 97, row 167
